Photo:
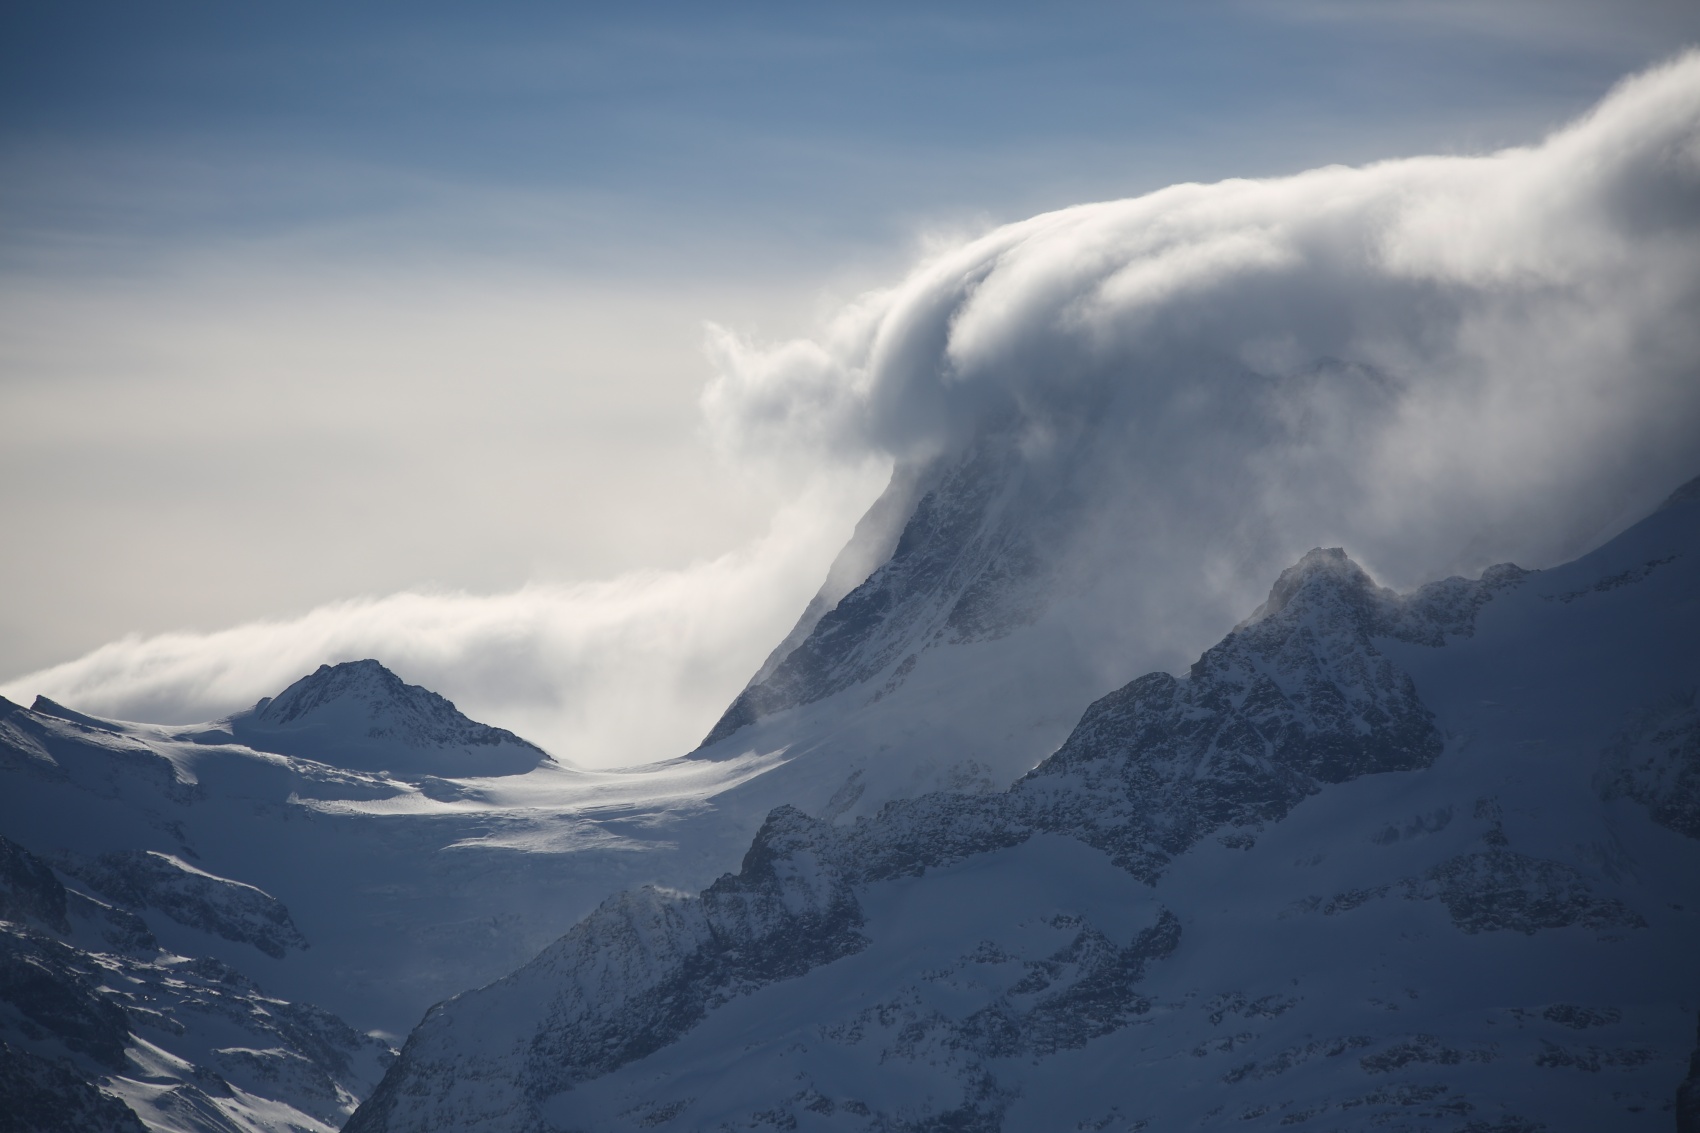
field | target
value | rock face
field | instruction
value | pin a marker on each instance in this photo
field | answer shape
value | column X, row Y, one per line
column 98, row 1024
column 970, row 565
column 1344, row 873
column 1657, row 763
column 140, row 879
column 362, row 716
column 28, row 889
column 38, row 1096
column 1297, row 697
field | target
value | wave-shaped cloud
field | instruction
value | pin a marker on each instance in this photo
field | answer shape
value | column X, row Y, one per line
column 1436, row 362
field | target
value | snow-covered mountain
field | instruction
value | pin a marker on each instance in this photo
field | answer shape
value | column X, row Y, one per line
column 1424, row 861
column 314, row 855
column 189, row 915
column 964, row 654
column 360, row 715
column 89, row 995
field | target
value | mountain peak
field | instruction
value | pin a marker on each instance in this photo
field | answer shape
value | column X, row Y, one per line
column 1320, row 567
column 366, row 681
column 361, row 715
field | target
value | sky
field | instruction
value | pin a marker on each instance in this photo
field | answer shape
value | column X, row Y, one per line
column 330, row 331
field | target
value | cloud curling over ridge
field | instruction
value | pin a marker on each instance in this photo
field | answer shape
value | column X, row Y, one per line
column 1435, row 362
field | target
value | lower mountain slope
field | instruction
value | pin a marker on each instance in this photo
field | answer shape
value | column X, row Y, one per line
column 1416, row 862
column 371, row 890
column 100, row 1024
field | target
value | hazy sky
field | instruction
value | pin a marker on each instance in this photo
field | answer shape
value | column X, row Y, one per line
column 325, row 303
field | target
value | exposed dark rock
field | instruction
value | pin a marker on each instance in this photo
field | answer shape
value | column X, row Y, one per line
column 38, row 1096
column 145, row 879
column 789, row 909
column 1581, row 1018
column 1501, row 890
column 1425, row 1049
column 1097, row 997
column 28, row 889
column 53, row 998
column 1296, row 697
column 1285, row 1060
column 967, row 567
column 1656, row 762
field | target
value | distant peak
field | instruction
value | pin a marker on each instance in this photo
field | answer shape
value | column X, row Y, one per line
column 360, row 714
column 366, row 680
column 1317, row 563
column 45, row 707
column 367, row 668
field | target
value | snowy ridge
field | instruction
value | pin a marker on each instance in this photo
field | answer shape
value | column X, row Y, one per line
column 968, row 566
column 93, row 1010
column 140, row 879
column 372, row 893
column 1296, row 697
column 1351, row 783
column 179, row 872
column 360, row 715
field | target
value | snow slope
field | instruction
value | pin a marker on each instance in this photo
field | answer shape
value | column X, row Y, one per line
column 1425, row 862
column 93, row 1009
column 231, row 901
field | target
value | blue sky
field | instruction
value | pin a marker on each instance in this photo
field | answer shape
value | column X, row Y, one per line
column 620, row 138
column 325, row 301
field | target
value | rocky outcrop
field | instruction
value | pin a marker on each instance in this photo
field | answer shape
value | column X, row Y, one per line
column 53, row 995
column 970, row 565
column 28, row 889
column 1656, row 762
column 1298, row 697
column 143, row 879
column 629, row 979
column 38, row 1096
column 1500, row 890
column 94, row 1015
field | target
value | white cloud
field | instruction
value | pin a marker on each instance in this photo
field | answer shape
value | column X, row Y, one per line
column 601, row 674
column 1435, row 362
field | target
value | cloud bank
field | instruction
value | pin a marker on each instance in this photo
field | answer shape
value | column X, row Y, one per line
column 1436, row 362
column 600, row 674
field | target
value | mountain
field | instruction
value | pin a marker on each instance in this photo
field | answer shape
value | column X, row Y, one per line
column 100, row 1023
column 960, row 652
column 226, row 925
column 1422, row 861
column 360, row 715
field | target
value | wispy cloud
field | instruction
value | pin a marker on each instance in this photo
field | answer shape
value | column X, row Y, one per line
column 601, row 674
column 1435, row 362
